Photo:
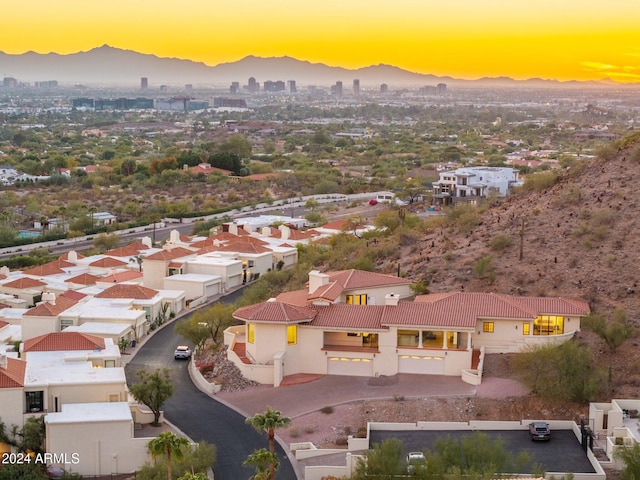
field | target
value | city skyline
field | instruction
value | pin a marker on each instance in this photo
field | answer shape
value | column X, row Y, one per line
column 467, row 39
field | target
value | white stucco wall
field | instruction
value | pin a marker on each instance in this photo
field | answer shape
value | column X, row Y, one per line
column 101, row 447
column 35, row 326
column 11, row 412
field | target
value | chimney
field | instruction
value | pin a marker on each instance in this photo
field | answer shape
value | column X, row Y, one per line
column 146, row 241
column 285, row 232
column 49, row 297
column 391, row 299
column 317, row 280
column 233, row 228
column 72, row 257
column 3, row 361
column 266, row 231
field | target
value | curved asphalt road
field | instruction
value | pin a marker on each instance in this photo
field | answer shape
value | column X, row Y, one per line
column 201, row 417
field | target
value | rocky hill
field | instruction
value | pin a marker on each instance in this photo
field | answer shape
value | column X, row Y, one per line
column 581, row 238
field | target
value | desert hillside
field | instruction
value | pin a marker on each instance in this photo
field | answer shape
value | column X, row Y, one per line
column 581, row 239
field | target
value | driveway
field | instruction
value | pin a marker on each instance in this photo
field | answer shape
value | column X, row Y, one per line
column 201, row 417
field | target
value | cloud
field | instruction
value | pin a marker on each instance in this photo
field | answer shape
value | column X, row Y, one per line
column 619, row 72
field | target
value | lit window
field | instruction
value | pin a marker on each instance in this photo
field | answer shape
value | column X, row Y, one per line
column 487, row 327
column 357, row 299
column 526, row 328
column 251, row 332
column 292, row 334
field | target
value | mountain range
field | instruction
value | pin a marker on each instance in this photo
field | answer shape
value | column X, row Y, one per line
column 113, row 66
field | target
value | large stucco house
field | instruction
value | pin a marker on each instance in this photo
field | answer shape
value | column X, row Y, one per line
column 362, row 323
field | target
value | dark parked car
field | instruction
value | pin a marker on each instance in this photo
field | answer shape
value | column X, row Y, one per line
column 539, row 431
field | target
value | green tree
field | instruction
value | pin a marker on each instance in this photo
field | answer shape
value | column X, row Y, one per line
column 265, row 463
column 268, row 422
column 106, row 242
column 384, row 461
column 33, row 435
column 206, row 324
column 630, row 455
column 615, row 332
column 153, row 389
column 476, row 455
column 168, row 444
column 563, row 372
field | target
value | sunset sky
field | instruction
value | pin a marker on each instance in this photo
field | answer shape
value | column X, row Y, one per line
column 555, row 39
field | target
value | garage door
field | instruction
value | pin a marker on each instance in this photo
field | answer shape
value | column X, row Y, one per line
column 424, row 364
column 360, row 367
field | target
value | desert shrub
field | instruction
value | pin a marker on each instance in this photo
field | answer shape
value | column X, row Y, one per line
column 569, row 196
column 559, row 373
column 537, row 182
column 327, row 410
column 309, row 429
column 464, row 217
column 398, row 398
column 294, row 432
column 500, row 242
column 342, row 440
column 483, row 267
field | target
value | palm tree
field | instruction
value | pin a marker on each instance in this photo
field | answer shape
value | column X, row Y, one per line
column 266, row 464
column 268, row 422
column 137, row 259
column 167, row 443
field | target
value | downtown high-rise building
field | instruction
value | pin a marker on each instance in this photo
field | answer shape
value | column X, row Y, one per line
column 291, row 86
column 337, row 89
column 144, row 83
column 356, row 86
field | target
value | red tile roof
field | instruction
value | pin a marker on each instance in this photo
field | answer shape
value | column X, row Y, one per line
column 296, row 234
column 125, row 290
column 353, row 279
column 65, row 256
column 451, row 310
column 489, row 305
column 244, row 247
column 13, row 375
column 118, row 277
column 73, row 295
column 25, row 282
column 3, row 324
column 83, row 279
column 350, row 279
column 51, row 268
column 274, row 312
column 297, row 297
column 63, row 341
column 46, row 309
column 167, row 255
column 107, row 262
column 206, row 169
column 335, row 225
column 130, row 250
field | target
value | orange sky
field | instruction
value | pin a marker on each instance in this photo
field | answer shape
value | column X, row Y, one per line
column 559, row 39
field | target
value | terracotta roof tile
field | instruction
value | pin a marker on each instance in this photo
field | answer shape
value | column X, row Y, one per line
column 331, row 291
column 244, row 247
column 125, row 290
column 65, row 256
column 335, row 225
column 296, row 234
column 297, row 297
column 352, row 317
column 46, row 309
column 107, row 262
column 167, row 255
column 25, row 282
column 3, row 324
column 126, row 276
column 63, row 341
column 73, row 295
column 274, row 312
column 83, row 279
column 13, row 375
column 127, row 251
column 50, row 268
column 350, row 279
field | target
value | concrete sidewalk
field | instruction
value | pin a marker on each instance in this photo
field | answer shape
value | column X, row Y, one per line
column 296, row 400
